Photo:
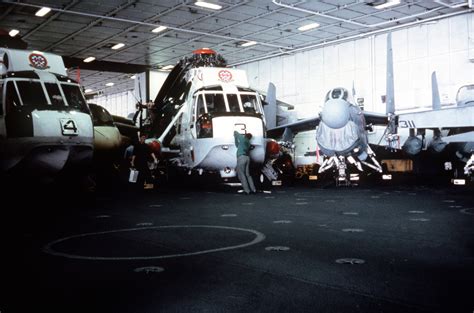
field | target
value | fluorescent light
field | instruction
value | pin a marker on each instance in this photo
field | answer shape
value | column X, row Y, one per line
column 308, row 27
column 167, row 67
column 89, row 59
column 42, row 12
column 109, row 84
column 208, row 5
column 159, row 29
column 87, row 90
column 14, row 32
column 118, row 46
column 133, row 77
column 387, row 4
column 249, row 43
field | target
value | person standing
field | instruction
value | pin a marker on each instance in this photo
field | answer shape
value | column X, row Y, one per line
column 141, row 155
column 242, row 142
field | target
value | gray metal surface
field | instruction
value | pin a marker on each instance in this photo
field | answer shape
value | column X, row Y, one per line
column 308, row 265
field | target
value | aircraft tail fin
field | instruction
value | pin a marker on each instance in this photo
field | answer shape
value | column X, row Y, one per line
column 390, row 95
column 436, row 102
column 271, row 106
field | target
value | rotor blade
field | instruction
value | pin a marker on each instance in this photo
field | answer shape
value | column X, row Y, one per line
column 390, row 96
column 436, row 102
column 271, row 107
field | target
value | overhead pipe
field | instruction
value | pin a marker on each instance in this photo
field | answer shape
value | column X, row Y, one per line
column 358, row 36
column 291, row 7
column 454, row 6
column 118, row 19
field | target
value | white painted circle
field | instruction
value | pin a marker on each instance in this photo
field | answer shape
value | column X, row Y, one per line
column 149, row 269
column 277, row 248
column 49, row 247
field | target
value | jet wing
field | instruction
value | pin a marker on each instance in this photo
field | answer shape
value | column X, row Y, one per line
column 442, row 118
column 296, row 127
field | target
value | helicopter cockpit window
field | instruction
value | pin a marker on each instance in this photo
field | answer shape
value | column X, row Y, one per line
column 31, row 93
column 465, row 95
column 54, row 94
column 100, row 116
column 200, row 108
column 233, row 101
column 250, row 103
column 11, row 97
column 215, row 103
column 337, row 93
column 74, row 97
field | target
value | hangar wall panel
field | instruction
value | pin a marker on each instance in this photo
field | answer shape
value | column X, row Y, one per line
column 446, row 47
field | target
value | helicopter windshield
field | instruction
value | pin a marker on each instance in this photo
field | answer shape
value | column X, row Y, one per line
column 46, row 95
column 217, row 102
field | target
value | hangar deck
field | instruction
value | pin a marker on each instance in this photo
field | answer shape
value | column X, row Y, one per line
column 298, row 249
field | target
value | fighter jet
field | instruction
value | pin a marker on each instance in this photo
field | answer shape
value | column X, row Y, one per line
column 341, row 135
column 197, row 110
column 437, row 130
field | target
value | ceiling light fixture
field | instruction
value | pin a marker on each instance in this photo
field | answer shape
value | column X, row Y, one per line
column 387, row 4
column 208, row 5
column 109, row 84
column 118, row 46
column 89, row 59
column 43, row 11
column 14, row 32
column 308, row 27
column 249, row 43
column 167, row 67
column 159, row 29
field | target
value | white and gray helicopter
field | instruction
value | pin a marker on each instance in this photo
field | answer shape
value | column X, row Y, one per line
column 45, row 123
column 197, row 110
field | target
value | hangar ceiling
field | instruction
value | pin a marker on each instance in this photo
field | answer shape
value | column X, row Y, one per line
column 90, row 28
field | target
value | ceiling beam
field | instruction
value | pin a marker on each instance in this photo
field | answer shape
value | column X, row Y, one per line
column 104, row 66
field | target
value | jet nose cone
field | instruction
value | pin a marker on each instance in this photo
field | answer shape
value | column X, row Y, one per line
column 335, row 113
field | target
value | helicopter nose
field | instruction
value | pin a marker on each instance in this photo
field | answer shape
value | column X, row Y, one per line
column 335, row 113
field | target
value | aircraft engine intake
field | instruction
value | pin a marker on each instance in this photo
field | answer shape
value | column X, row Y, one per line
column 273, row 148
column 155, row 147
column 437, row 145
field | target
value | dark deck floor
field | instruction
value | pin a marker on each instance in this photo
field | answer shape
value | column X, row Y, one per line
column 212, row 250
